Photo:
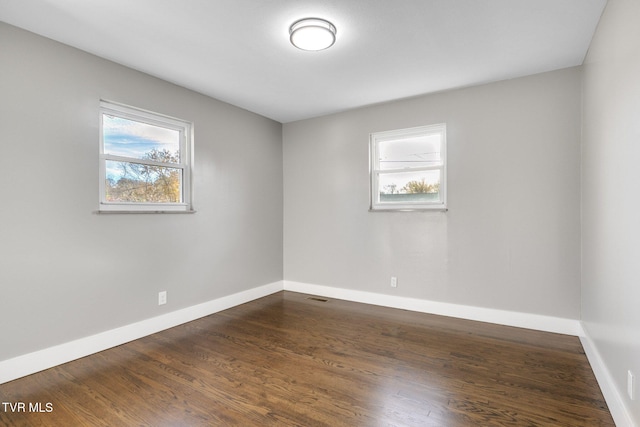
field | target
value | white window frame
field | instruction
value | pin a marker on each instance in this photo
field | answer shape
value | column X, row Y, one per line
column 185, row 130
column 375, row 170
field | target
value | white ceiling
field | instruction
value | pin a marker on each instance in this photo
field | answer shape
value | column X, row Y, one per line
column 238, row 51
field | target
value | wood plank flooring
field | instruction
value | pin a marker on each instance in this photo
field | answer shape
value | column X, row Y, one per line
column 288, row 360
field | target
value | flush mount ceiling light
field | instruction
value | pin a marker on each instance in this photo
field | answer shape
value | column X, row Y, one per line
column 312, row 34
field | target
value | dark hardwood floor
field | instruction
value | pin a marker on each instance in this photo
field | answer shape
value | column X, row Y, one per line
column 289, row 360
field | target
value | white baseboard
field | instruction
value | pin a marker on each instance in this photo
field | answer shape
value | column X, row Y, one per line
column 501, row 317
column 27, row 364
column 615, row 402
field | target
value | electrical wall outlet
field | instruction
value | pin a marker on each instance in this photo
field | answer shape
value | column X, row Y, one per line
column 162, row 298
column 631, row 385
column 394, row 282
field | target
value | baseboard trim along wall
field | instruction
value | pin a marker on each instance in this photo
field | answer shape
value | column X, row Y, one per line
column 31, row 363
column 43, row 359
column 500, row 317
column 615, row 402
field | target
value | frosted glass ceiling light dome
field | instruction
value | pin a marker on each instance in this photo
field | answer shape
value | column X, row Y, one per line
column 312, row 34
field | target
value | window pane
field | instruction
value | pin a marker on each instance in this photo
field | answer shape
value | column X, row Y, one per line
column 133, row 182
column 407, row 187
column 410, row 152
column 137, row 140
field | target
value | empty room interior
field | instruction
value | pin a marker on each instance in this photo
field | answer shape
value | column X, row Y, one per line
column 408, row 213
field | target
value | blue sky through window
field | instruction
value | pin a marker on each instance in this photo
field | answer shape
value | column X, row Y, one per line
column 132, row 139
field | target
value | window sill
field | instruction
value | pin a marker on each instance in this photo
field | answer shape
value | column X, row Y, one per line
column 111, row 212
column 409, row 209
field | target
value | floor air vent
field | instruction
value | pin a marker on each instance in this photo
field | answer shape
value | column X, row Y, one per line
column 318, row 299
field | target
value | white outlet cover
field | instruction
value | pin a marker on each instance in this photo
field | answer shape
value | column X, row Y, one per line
column 630, row 384
column 162, row 298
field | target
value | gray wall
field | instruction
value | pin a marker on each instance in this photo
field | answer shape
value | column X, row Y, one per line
column 610, row 196
column 66, row 272
column 511, row 237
